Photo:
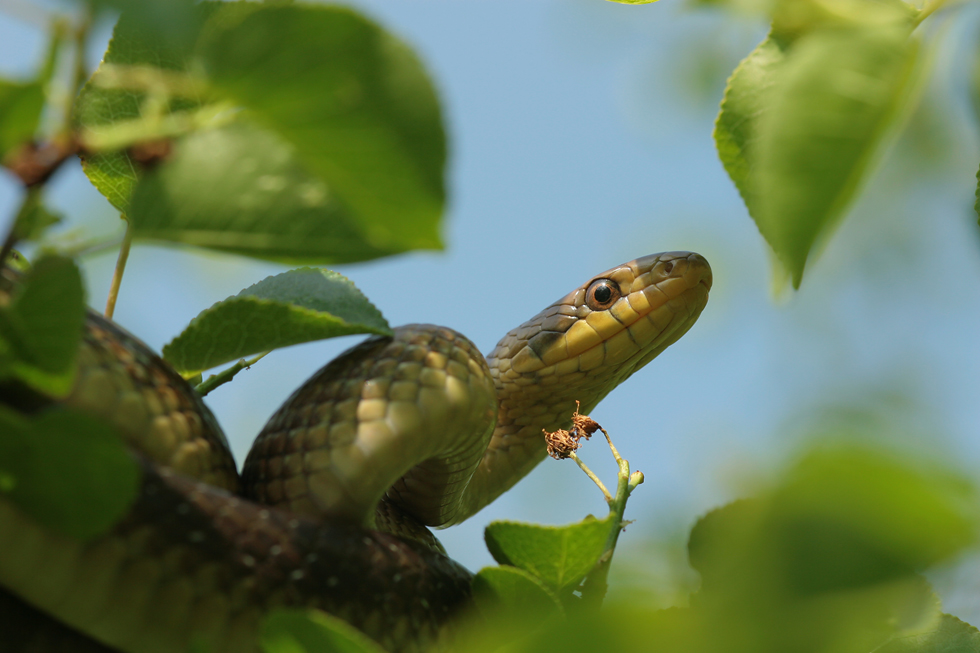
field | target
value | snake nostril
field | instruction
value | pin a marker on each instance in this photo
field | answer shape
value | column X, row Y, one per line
column 668, row 267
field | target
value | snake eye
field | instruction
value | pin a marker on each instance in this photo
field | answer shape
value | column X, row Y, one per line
column 602, row 294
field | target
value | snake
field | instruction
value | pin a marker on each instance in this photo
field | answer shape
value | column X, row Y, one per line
column 330, row 511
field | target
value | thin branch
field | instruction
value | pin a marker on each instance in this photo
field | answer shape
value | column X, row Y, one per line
column 110, row 304
column 932, row 7
column 226, row 375
column 590, row 474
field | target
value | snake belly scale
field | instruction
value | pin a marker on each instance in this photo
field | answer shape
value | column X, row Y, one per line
column 397, row 432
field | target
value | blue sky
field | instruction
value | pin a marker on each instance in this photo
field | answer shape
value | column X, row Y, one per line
column 580, row 137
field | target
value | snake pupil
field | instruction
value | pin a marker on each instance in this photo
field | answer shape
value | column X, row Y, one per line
column 603, row 294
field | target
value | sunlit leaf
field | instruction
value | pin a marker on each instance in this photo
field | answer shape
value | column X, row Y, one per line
column 354, row 102
column 67, row 470
column 836, row 96
column 287, row 309
column 311, row 631
column 561, row 556
column 745, row 101
column 135, row 41
column 241, row 189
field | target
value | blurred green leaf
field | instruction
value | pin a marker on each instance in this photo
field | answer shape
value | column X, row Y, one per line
column 68, row 470
column 287, row 309
column 828, row 559
column 355, row 103
column 343, row 162
column 20, row 111
column 312, row 631
column 41, row 328
column 240, row 189
column 512, row 593
column 34, row 217
column 135, row 42
column 976, row 205
column 744, row 103
column 837, row 94
column 949, row 636
column 561, row 556
column 792, row 18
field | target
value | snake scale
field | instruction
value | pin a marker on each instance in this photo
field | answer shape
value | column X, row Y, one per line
column 395, row 433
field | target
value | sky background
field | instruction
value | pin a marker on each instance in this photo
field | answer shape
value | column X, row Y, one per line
column 580, row 138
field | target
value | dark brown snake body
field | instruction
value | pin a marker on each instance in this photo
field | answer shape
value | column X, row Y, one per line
column 414, row 429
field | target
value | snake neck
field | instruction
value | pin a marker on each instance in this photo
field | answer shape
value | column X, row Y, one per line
column 575, row 352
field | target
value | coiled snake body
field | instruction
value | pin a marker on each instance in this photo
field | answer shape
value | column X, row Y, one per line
column 395, row 433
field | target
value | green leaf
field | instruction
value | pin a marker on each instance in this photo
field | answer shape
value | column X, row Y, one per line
column 896, row 516
column 34, row 217
column 560, row 556
column 950, row 635
column 744, row 103
column 67, row 470
column 844, row 517
column 135, row 42
column 355, row 103
column 831, row 554
column 312, row 631
column 241, row 189
column 836, row 95
column 512, row 593
column 20, row 111
column 41, row 328
column 287, row 309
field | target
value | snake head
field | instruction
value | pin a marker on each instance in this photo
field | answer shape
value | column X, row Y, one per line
column 610, row 326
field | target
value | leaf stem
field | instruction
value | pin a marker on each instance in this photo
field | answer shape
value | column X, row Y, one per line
column 596, row 584
column 590, row 474
column 226, row 375
column 110, row 304
column 931, row 7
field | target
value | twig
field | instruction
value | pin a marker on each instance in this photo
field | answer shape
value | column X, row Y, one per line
column 110, row 304
column 226, row 375
column 932, row 7
column 590, row 474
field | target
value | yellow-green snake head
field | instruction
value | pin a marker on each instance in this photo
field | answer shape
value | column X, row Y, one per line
column 579, row 349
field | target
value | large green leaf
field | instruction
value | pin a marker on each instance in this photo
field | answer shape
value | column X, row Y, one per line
column 241, row 189
column 560, row 556
column 99, row 109
column 311, row 631
column 827, row 560
column 353, row 100
column 343, row 162
column 745, row 101
column 41, row 328
column 287, row 309
column 835, row 97
column 67, row 470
